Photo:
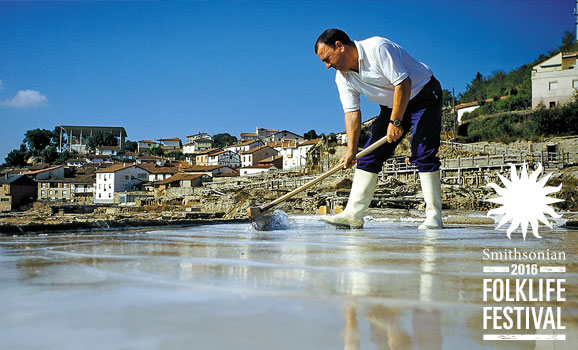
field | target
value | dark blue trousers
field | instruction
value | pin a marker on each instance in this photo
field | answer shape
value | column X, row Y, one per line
column 423, row 117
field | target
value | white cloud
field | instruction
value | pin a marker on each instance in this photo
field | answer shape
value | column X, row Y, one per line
column 26, row 99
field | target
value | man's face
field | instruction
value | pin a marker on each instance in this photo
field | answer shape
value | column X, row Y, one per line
column 333, row 58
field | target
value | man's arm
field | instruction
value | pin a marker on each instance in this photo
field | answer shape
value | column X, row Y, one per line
column 352, row 129
column 401, row 95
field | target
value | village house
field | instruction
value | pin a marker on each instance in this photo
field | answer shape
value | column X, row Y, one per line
column 256, row 169
column 16, row 191
column 199, row 136
column 197, row 146
column 464, row 108
column 118, row 178
column 180, row 180
column 54, row 190
column 228, row 158
column 263, row 133
column 107, row 150
column 244, row 146
column 55, row 172
column 158, row 173
column 158, row 161
column 254, row 155
column 246, row 136
column 98, row 158
column 82, row 188
column 287, row 150
column 555, row 80
column 211, row 170
column 202, row 158
column 173, row 144
column 302, row 151
column 259, row 134
column 144, row 145
column 126, row 156
column 276, row 161
column 284, row 135
column 70, row 189
column 75, row 162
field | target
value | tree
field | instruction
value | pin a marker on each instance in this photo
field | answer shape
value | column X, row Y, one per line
column 130, row 146
column 310, row 135
column 178, row 155
column 100, row 138
column 37, row 140
column 17, row 157
column 447, row 97
column 155, row 151
column 49, row 155
column 223, row 140
column 568, row 43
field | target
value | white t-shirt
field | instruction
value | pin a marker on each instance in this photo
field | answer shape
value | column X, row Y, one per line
column 383, row 64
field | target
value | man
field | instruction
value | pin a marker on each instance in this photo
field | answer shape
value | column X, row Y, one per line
column 410, row 97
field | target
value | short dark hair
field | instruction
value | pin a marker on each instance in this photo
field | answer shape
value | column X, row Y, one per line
column 330, row 36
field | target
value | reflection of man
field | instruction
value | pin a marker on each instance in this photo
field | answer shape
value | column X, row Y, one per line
column 390, row 331
column 410, row 98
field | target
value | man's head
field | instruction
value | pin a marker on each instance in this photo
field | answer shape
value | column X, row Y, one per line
column 336, row 50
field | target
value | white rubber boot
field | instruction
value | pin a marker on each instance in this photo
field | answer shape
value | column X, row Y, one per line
column 362, row 188
column 431, row 187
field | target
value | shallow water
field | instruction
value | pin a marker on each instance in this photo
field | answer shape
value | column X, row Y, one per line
column 311, row 286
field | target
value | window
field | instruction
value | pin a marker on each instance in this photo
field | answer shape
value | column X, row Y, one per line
column 552, row 104
column 50, row 192
column 126, row 177
column 64, row 193
column 43, row 193
column 553, row 85
column 5, row 200
column 110, row 195
column 109, row 186
column 575, row 84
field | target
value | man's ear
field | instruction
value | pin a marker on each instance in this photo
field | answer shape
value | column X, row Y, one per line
column 339, row 45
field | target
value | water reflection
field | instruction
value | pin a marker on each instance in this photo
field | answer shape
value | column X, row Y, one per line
column 390, row 332
column 390, row 285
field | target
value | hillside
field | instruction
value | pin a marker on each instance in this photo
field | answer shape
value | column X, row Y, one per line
column 516, row 84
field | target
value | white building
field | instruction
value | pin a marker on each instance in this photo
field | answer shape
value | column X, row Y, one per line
column 117, row 178
column 255, row 155
column 197, row 146
column 228, row 158
column 464, row 108
column 256, row 169
column 244, row 146
column 283, row 136
column 171, row 144
column 555, row 80
column 302, row 151
column 199, row 136
column 144, row 145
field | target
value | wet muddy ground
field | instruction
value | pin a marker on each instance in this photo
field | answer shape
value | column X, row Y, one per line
column 226, row 286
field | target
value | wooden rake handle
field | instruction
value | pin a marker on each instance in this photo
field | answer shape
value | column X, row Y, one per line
column 325, row 175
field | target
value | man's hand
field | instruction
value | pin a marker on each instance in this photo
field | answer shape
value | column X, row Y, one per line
column 394, row 133
column 401, row 95
column 348, row 159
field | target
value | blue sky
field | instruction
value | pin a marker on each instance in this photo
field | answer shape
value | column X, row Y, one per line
column 172, row 69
